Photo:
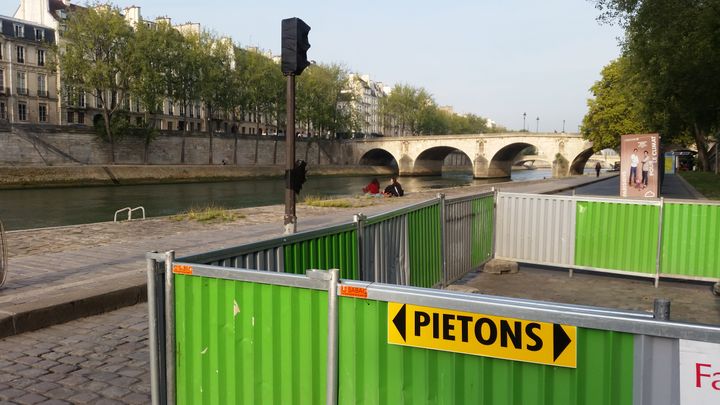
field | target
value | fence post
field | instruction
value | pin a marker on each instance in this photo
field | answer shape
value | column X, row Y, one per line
column 333, row 278
column 658, row 257
column 156, row 328
column 359, row 220
column 661, row 309
column 443, row 239
column 170, row 326
column 494, row 220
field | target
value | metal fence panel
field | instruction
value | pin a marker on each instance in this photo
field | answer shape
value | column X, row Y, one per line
column 241, row 342
column 375, row 372
column 535, row 228
column 425, row 246
column 385, row 251
column 459, row 226
column 335, row 251
column 270, row 259
column 691, row 240
column 482, row 230
column 617, row 236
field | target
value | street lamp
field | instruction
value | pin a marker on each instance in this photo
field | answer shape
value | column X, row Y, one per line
column 563, row 126
column 524, row 115
column 537, row 124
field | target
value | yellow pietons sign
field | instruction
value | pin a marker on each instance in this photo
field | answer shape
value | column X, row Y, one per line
column 482, row 335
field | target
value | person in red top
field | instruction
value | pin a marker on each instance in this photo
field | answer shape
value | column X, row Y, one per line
column 373, row 187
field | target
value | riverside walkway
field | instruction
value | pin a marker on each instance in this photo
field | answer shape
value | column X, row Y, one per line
column 60, row 274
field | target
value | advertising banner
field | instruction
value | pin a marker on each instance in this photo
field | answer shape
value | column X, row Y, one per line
column 639, row 165
column 699, row 372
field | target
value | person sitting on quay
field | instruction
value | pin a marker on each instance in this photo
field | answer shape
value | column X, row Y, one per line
column 394, row 189
column 373, row 187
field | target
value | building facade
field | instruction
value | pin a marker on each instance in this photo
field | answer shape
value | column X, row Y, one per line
column 28, row 85
column 365, row 103
column 66, row 107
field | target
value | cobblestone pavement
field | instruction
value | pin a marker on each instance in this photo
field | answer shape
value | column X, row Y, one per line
column 97, row 360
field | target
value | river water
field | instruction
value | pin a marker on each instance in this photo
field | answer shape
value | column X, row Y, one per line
column 37, row 208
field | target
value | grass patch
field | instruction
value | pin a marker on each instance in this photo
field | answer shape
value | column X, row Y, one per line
column 707, row 183
column 207, row 214
column 317, row 201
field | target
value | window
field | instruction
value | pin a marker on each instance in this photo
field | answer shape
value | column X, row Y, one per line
column 20, row 54
column 39, row 34
column 3, row 110
column 19, row 30
column 70, row 117
column 42, row 112
column 2, row 46
column 138, row 121
column 197, row 110
column 2, row 81
column 22, row 111
column 42, row 85
column 182, row 110
column 81, row 100
column 41, row 57
column 81, row 118
column 21, row 84
column 170, row 108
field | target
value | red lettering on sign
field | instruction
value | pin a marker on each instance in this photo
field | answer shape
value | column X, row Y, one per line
column 357, row 292
column 699, row 375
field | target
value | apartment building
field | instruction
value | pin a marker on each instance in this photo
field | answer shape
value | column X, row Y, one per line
column 28, row 87
column 82, row 109
column 365, row 103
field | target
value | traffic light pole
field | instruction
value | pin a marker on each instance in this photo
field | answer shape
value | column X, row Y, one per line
column 290, row 217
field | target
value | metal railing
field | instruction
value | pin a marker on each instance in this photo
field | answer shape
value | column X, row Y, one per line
column 130, row 212
column 3, row 256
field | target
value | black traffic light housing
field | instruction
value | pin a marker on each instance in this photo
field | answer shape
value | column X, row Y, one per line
column 296, row 177
column 295, row 45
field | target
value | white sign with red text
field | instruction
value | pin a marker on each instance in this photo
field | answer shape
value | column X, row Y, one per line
column 699, row 372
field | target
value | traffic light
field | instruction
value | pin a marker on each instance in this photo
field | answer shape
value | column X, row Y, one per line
column 295, row 45
column 296, row 177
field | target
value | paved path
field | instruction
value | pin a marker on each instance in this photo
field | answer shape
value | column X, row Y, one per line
column 60, row 274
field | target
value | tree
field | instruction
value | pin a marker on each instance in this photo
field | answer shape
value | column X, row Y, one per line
column 319, row 99
column 672, row 46
column 616, row 109
column 95, row 59
column 153, row 55
column 217, row 81
column 404, row 108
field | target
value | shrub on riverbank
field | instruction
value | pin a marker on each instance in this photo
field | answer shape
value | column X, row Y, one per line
column 208, row 214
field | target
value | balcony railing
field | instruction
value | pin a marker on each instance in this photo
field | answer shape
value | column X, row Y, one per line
column 22, row 91
column 42, row 93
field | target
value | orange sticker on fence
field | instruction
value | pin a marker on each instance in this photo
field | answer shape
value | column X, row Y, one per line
column 357, row 292
column 183, row 269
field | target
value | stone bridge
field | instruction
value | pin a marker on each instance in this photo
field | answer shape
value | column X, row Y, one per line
column 492, row 155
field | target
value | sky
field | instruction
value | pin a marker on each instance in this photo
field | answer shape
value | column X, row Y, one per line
column 493, row 58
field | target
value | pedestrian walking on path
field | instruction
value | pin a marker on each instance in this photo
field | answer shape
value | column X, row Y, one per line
column 597, row 169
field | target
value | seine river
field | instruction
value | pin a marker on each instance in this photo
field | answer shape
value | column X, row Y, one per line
column 37, row 208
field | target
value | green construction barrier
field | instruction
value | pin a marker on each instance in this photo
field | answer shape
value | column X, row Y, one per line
column 249, row 343
column 336, row 251
column 371, row 371
column 617, row 236
column 482, row 230
column 691, row 240
column 425, row 246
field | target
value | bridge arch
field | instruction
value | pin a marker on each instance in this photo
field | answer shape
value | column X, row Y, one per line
column 430, row 161
column 379, row 157
column 578, row 164
column 500, row 164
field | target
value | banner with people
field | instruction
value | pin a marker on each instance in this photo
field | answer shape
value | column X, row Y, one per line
column 639, row 165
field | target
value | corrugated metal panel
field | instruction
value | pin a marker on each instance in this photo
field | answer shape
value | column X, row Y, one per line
column 425, row 247
column 267, row 259
column 375, row 372
column 385, row 251
column 617, row 236
column 336, row 251
column 246, row 343
column 691, row 240
column 535, row 228
column 459, row 221
column 482, row 230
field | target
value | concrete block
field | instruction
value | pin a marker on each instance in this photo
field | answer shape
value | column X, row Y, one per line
column 496, row 266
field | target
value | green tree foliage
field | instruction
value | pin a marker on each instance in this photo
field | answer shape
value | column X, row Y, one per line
column 320, row 92
column 616, row 108
column 94, row 59
column 673, row 47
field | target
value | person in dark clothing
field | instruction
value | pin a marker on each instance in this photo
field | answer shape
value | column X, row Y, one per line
column 394, row 189
column 597, row 169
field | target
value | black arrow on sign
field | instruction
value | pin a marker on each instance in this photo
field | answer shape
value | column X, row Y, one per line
column 560, row 341
column 399, row 322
